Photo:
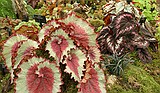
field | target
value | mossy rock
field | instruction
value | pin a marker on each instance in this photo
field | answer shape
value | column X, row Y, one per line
column 136, row 80
column 146, row 81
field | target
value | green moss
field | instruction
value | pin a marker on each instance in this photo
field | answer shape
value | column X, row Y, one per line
column 119, row 89
column 140, row 77
column 147, row 82
column 136, row 80
column 152, row 68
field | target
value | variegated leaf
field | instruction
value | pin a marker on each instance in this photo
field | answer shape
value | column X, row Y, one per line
column 115, row 7
column 94, row 54
column 29, row 29
column 124, row 24
column 38, row 75
column 94, row 80
column 138, row 41
column 26, row 49
column 82, row 33
column 59, row 44
column 46, row 30
column 144, row 55
column 74, row 63
column 109, row 43
column 10, row 48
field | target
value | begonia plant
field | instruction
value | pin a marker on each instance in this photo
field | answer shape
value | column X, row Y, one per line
column 70, row 41
column 124, row 32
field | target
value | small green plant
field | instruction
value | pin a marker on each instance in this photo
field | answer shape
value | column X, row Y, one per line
column 115, row 64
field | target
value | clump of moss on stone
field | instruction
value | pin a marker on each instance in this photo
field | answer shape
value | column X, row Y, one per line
column 135, row 80
column 147, row 82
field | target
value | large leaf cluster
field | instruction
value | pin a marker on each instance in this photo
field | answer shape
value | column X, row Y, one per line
column 37, row 58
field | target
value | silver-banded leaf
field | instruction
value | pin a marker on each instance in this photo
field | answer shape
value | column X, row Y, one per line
column 38, row 75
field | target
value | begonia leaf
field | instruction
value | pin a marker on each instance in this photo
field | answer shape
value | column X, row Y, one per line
column 124, row 23
column 115, row 7
column 38, row 75
column 82, row 33
column 59, row 44
column 144, row 55
column 26, row 49
column 29, row 31
column 10, row 48
column 93, row 81
column 94, row 54
column 47, row 29
column 74, row 63
column 108, row 42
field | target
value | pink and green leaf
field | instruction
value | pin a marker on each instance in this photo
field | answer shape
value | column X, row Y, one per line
column 59, row 44
column 94, row 54
column 93, row 81
column 45, row 31
column 82, row 33
column 38, row 75
column 9, row 49
column 26, row 49
column 74, row 64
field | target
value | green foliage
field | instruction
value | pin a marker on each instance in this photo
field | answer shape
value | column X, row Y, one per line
column 31, row 11
column 6, row 9
column 148, row 8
